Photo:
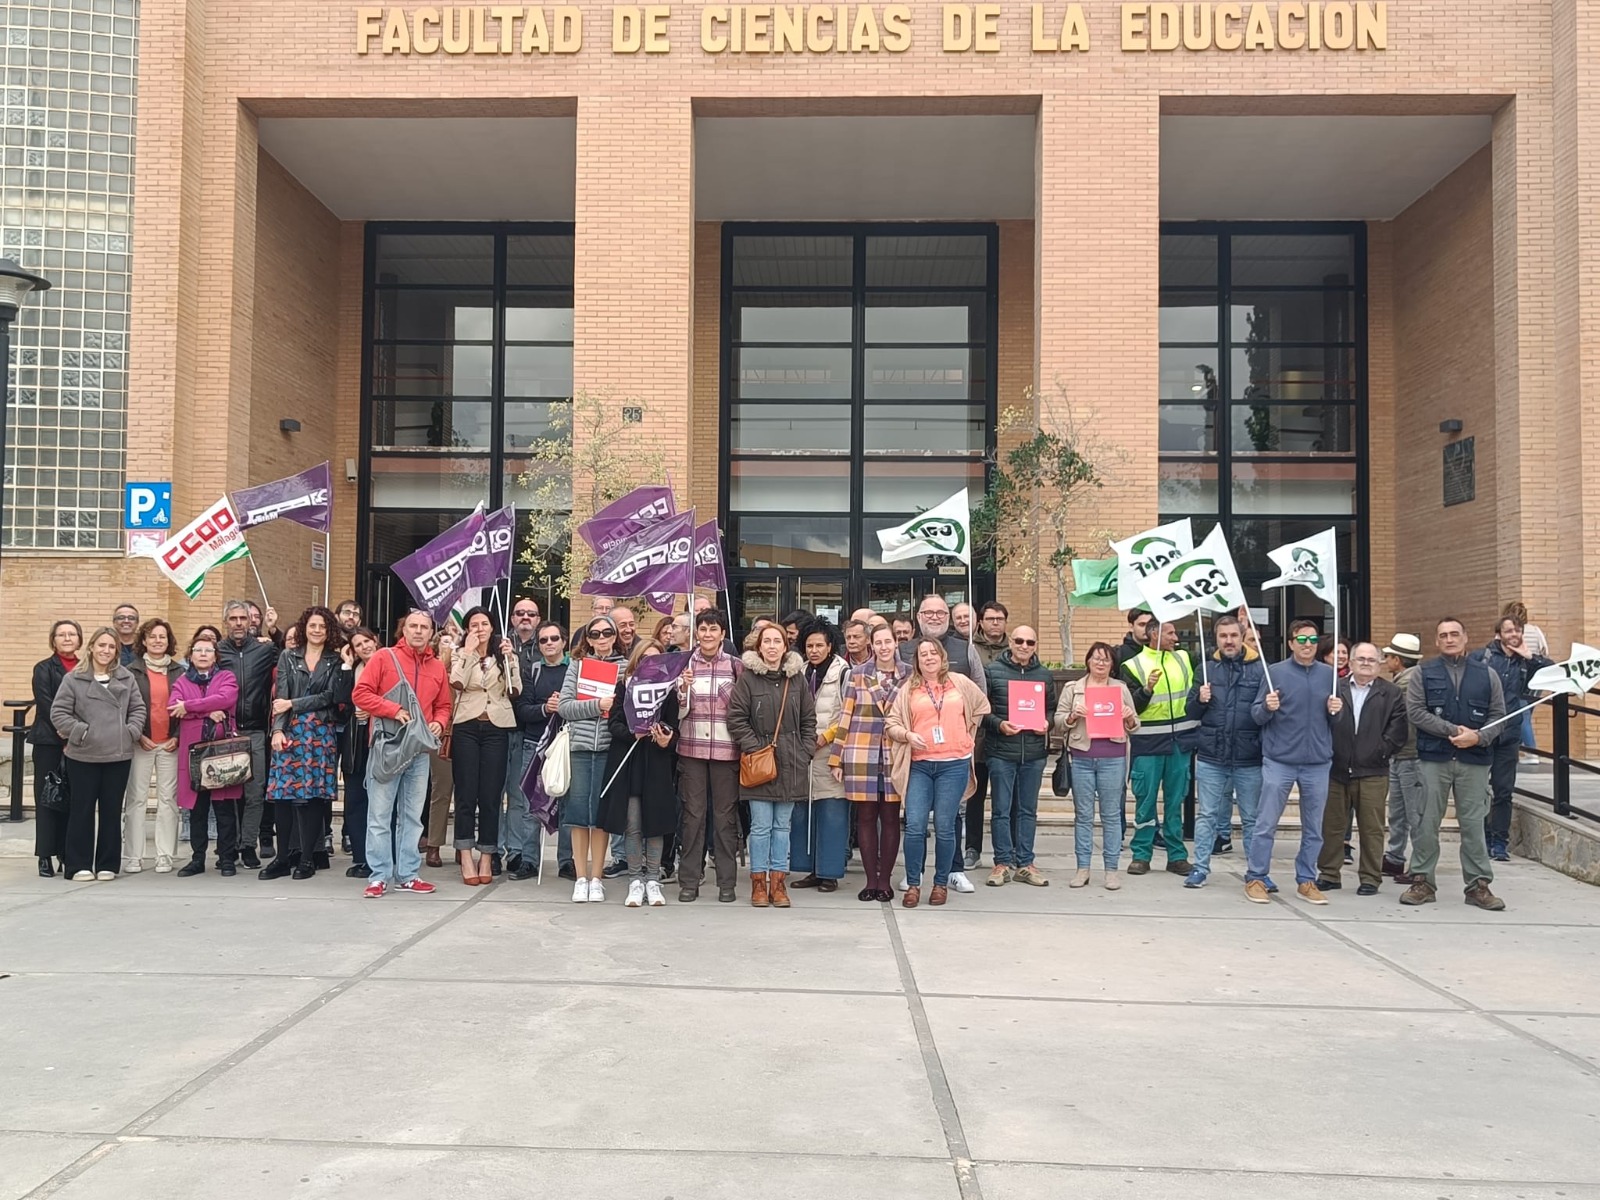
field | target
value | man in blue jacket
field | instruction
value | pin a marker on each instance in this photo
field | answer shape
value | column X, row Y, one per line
column 1296, row 711
column 1510, row 657
column 1228, row 757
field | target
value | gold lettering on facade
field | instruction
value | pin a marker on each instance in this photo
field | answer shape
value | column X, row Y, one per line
column 1289, row 25
column 1134, row 36
column 1258, row 29
column 1291, row 37
column 1165, row 29
column 396, row 33
column 1338, row 26
column 1073, row 33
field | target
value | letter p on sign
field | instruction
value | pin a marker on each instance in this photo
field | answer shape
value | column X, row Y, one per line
column 147, row 506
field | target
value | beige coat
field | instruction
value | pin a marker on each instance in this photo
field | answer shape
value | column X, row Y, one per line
column 1078, row 735
column 477, row 695
column 898, row 727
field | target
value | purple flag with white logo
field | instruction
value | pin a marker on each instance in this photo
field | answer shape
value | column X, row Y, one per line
column 709, row 571
column 306, row 499
column 438, row 573
column 649, row 686
column 490, row 561
column 657, row 558
column 628, row 515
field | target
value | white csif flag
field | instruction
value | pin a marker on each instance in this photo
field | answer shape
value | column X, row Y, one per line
column 1311, row 563
column 1576, row 676
column 1146, row 553
column 1203, row 580
column 946, row 528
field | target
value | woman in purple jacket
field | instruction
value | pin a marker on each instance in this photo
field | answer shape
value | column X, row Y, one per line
column 203, row 702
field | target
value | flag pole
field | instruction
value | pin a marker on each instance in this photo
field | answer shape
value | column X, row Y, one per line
column 1200, row 626
column 1542, row 699
column 265, row 603
column 1335, row 663
column 327, row 567
column 1261, row 650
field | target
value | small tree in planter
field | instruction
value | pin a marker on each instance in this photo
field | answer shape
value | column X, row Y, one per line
column 566, row 486
column 1034, row 491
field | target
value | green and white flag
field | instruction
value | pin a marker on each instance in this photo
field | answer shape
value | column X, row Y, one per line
column 1311, row 563
column 205, row 543
column 1094, row 583
column 946, row 529
column 469, row 600
column 1145, row 553
column 1203, row 580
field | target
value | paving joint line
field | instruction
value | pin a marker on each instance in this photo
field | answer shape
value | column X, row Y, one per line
column 1588, row 1068
column 136, row 1126
column 944, row 1101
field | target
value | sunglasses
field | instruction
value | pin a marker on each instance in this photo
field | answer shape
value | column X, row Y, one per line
column 553, row 640
column 525, row 612
column 601, row 633
column 1023, row 642
column 1306, row 639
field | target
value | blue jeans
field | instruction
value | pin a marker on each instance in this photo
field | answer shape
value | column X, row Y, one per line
column 1014, row 815
column 819, row 837
column 1216, row 788
column 1276, row 780
column 392, row 845
column 769, row 835
column 1097, row 784
column 519, row 833
column 935, row 784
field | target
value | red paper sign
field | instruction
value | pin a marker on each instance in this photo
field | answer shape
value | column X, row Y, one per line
column 1025, row 703
column 1105, row 711
column 596, row 679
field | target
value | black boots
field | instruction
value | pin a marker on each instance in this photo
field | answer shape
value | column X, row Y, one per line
column 195, row 866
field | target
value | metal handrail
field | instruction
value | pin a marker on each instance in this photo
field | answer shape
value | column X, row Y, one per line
column 18, row 729
column 1562, row 713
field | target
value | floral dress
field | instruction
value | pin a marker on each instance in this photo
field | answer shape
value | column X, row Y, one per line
column 308, row 768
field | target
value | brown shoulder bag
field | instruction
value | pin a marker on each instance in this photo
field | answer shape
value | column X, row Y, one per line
column 762, row 765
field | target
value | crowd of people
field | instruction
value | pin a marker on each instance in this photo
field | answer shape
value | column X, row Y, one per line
column 803, row 745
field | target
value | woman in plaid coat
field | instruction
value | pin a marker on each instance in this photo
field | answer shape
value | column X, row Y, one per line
column 860, row 761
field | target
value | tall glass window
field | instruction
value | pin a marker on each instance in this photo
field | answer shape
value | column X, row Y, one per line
column 857, row 390
column 1263, row 397
column 469, row 355
column 66, row 211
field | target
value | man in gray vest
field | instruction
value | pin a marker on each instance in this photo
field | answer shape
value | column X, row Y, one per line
column 1452, row 701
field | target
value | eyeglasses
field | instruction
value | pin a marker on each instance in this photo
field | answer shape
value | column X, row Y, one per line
column 601, row 633
column 1306, row 639
column 1023, row 642
column 525, row 612
column 124, row 620
column 552, row 640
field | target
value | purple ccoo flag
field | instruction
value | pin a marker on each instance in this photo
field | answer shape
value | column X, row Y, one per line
column 648, row 688
column 437, row 574
column 306, row 499
column 708, row 568
column 628, row 515
column 490, row 560
column 657, row 558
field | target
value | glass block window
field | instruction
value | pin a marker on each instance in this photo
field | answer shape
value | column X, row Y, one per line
column 66, row 211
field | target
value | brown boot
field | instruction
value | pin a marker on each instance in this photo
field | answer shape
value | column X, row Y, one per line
column 780, row 895
column 758, row 889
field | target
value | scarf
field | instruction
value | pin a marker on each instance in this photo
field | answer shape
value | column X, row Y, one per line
column 158, row 664
column 196, row 676
column 814, row 674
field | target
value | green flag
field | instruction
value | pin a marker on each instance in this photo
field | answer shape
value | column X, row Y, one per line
column 1094, row 583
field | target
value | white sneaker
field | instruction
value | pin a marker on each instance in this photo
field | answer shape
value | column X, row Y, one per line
column 132, row 866
column 652, row 894
column 163, row 865
column 959, row 881
column 580, row 891
column 597, row 892
column 635, row 894
column 105, row 876
column 900, row 884
column 83, row 877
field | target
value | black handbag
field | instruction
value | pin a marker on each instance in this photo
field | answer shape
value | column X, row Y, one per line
column 53, row 793
column 1061, row 777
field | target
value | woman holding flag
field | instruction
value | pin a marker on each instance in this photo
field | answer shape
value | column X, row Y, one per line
column 589, row 728
column 640, row 802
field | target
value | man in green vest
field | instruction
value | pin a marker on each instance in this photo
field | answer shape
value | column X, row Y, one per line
column 1159, row 677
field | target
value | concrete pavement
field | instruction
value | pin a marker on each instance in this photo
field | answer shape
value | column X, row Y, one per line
column 209, row 1037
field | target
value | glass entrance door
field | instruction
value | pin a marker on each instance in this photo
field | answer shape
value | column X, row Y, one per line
column 776, row 596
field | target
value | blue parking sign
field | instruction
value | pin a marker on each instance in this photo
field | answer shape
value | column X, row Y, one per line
column 147, row 506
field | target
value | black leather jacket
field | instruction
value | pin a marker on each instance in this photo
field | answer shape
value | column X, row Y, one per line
column 326, row 688
column 251, row 664
column 47, row 676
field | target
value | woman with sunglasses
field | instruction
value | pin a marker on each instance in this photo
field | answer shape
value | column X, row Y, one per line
column 589, row 730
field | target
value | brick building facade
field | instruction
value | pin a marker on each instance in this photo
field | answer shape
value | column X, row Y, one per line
column 1448, row 144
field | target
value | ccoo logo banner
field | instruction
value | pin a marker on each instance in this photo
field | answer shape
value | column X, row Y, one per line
column 211, row 539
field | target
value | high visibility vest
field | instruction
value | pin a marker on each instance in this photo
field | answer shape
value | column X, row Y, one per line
column 1169, row 703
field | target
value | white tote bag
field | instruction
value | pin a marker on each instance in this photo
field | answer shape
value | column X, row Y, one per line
column 557, row 773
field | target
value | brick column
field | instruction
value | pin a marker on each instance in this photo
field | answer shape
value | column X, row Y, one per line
column 634, row 269
column 1097, row 278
